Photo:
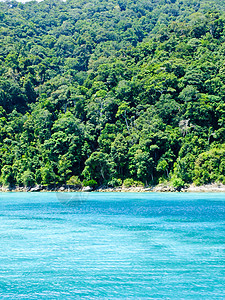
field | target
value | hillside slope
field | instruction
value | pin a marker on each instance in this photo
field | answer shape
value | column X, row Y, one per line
column 112, row 92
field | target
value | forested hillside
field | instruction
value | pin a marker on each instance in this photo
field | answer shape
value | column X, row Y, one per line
column 108, row 92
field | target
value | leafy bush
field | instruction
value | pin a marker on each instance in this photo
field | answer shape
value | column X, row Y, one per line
column 7, row 177
column 129, row 182
column 28, row 178
column 91, row 183
column 115, row 182
column 210, row 166
column 75, row 181
column 138, row 183
column 177, row 182
column 47, row 174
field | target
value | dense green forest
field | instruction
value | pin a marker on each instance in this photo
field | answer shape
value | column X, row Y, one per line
column 112, row 92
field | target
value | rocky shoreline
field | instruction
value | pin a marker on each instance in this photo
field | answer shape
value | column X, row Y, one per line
column 160, row 188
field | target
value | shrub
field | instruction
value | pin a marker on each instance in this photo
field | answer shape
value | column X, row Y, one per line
column 91, row 183
column 47, row 175
column 75, row 181
column 210, row 166
column 129, row 182
column 139, row 183
column 7, row 177
column 177, row 182
column 115, row 182
column 28, row 178
column 38, row 178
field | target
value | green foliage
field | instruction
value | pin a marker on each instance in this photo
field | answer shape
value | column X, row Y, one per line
column 91, row 183
column 7, row 177
column 74, row 181
column 177, row 182
column 115, row 182
column 97, row 167
column 129, row 182
column 210, row 166
column 106, row 91
column 28, row 178
column 47, row 175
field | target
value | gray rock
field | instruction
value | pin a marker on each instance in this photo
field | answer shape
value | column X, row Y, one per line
column 37, row 188
column 87, row 189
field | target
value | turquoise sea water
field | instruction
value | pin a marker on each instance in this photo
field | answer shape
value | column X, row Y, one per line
column 112, row 246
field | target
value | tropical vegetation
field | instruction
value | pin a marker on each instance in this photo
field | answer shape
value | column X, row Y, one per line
column 112, row 91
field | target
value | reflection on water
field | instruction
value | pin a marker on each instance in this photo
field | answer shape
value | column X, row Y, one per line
column 112, row 246
column 72, row 199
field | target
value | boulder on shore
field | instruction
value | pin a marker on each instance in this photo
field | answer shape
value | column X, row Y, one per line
column 37, row 188
column 87, row 189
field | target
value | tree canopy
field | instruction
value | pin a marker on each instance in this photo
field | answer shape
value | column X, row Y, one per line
column 112, row 91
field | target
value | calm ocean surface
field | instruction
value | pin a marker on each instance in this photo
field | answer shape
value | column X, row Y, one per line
column 112, row 246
